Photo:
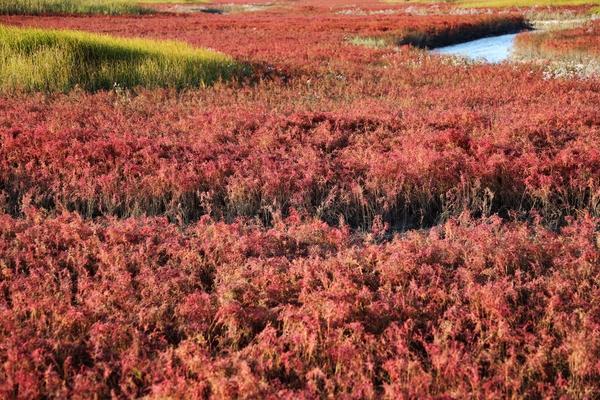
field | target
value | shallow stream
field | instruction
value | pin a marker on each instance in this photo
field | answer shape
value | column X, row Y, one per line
column 493, row 49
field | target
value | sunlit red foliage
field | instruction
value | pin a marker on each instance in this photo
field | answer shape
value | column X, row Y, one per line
column 412, row 143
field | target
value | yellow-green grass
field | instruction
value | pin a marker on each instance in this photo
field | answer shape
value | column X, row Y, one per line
column 110, row 7
column 506, row 3
column 51, row 60
column 41, row 7
column 372, row 43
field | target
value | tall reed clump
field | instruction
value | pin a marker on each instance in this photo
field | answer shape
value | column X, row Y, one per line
column 51, row 60
column 41, row 7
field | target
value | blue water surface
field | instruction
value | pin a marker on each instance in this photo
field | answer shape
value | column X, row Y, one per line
column 493, row 49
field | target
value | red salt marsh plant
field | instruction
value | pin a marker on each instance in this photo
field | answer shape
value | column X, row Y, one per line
column 238, row 241
column 578, row 45
column 414, row 145
column 471, row 308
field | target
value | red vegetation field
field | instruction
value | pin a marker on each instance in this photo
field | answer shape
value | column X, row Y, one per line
column 578, row 44
column 293, row 37
column 349, row 222
column 482, row 309
column 410, row 143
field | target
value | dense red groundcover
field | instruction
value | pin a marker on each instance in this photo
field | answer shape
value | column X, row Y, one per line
column 406, row 138
column 575, row 44
column 252, row 239
column 141, row 307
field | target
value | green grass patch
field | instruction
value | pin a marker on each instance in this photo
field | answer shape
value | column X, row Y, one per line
column 372, row 43
column 51, row 60
column 42, row 7
column 107, row 7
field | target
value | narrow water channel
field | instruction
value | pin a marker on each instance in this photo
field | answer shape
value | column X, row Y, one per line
column 493, row 49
